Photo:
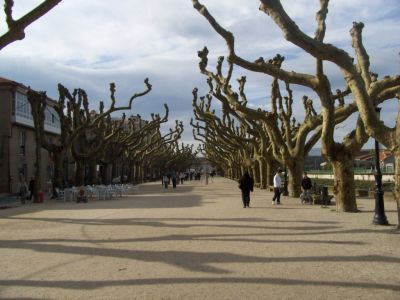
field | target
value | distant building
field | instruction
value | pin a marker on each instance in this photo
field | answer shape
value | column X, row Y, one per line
column 17, row 138
column 364, row 160
column 313, row 162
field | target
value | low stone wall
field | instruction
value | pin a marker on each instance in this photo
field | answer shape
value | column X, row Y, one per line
column 366, row 177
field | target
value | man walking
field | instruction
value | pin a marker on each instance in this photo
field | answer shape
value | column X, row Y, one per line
column 246, row 184
column 277, row 188
column 31, row 187
column 306, row 186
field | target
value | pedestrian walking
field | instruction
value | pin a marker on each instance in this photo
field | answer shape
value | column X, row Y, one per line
column 212, row 174
column 182, row 177
column 277, row 188
column 246, row 184
column 306, row 186
column 22, row 189
column 31, row 187
column 173, row 178
column 166, row 181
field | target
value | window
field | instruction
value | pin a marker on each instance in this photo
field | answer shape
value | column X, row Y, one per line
column 23, row 108
column 22, row 142
column 51, row 117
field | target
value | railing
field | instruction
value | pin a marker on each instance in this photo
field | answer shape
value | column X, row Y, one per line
column 357, row 171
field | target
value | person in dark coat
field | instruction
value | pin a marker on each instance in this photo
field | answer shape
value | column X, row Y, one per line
column 246, row 184
column 31, row 187
column 306, row 186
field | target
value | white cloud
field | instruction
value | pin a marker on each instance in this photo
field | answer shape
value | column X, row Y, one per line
column 91, row 43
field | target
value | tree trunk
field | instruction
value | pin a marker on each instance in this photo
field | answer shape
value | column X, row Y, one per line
column 132, row 173
column 295, row 172
column 271, row 169
column 141, row 172
column 93, row 172
column 263, row 173
column 113, row 171
column 344, row 187
column 103, row 173
column 397, row 185
column 256, row 173
column 137, row 173
column 38, row 175
column 58, row 175
column 79, row 172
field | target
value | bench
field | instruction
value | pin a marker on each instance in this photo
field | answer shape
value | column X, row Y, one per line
column 317, row 199
column 362, row 192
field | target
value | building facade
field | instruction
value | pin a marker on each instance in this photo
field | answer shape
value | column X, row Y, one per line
column 17, row 137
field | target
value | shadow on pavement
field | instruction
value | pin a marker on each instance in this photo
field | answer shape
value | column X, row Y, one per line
column 189, row 260
column 91, row 285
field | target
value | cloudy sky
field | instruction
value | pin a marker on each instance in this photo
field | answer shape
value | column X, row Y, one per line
column 89, row 44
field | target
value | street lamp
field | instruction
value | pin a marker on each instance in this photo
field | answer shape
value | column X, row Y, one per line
column 379, row 216
column 285, row 184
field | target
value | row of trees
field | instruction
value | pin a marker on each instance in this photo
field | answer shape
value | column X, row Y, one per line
column 95, row 138
column 266, row 139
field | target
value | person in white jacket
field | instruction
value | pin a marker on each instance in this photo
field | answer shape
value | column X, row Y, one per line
column 277, row 187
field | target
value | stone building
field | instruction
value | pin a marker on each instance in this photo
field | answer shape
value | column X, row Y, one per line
column 17, row 138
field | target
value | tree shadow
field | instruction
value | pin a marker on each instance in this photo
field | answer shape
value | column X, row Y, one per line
column 204, row 262
column 94, row 284
column 247, row 238
column 166, row 223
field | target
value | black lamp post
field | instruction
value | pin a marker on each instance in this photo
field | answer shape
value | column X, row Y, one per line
column 379, row 216
column 285, row 184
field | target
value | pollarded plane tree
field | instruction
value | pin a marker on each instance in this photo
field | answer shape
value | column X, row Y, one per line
column 141, row 155
column 289, row 140
column 174, row 157
column 86, row 147
column 183, row 156
column 264, row 162
column 261, row 159
column 75, row 118
column 262, row 149
column 118, row 153
column 214, row 150
column 160, row 162
column 40, row 101
column 366, row 90
column 213, row 154
column 16, row 28
column 226, row 130
column 224, row 138
column 219, row 148
column 223, row 132
column 157, row 145
column 290, row 144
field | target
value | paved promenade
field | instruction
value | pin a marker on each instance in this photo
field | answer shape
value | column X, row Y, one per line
column 196, row 242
